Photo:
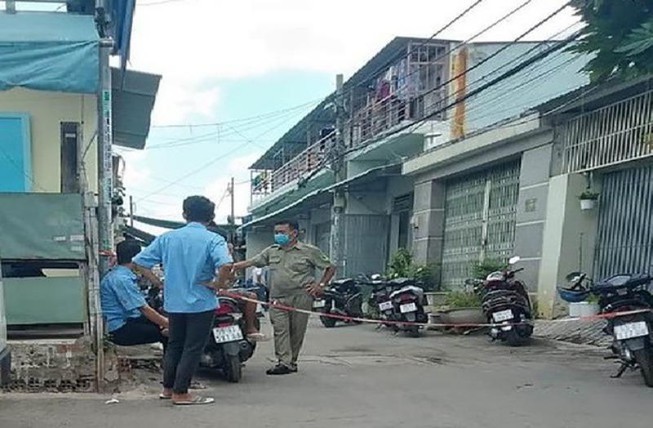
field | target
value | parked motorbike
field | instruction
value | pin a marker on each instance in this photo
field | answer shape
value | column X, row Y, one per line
column 507, row 305
column 408, row 302
column 379, row 304
column 227, row 347
column 632, row 332
column 342, row 297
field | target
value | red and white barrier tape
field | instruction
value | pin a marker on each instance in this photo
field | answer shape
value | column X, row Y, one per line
column 345, row 318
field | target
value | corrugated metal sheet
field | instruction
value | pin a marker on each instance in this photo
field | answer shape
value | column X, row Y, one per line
column 366, row 245
column 480, row 213
column 625, row 233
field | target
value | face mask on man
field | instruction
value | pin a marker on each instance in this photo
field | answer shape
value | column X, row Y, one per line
column 281, row 239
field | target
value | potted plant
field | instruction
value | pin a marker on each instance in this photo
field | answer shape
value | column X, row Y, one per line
column 588, row 199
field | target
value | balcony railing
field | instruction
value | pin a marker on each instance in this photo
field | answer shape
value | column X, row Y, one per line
column 307, row 161
column 408, row 91
column 383, row 116
column 613, row 134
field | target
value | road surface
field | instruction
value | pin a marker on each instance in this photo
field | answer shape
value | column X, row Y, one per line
column 361, row 377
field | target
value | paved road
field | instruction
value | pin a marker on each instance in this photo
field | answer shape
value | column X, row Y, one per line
column 359, row 377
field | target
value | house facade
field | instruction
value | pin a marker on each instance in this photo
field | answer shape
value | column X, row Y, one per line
column 50, row 164
column 416, row 97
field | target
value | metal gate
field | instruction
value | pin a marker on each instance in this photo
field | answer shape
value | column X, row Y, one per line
column 625, row 231
column 323, row 236
column 479, row 221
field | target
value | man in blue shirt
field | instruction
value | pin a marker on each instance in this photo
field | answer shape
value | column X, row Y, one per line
column 130, row 320
column 193, row 257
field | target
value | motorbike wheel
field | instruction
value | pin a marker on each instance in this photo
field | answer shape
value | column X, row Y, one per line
column 328, row 322
column 644, row 359
column 513, row 338
column 233, row 369
column 412, row 331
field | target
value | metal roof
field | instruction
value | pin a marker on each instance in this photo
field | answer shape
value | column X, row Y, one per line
column 133, row 97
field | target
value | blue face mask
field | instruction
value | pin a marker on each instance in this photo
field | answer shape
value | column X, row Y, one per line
column 281, row 239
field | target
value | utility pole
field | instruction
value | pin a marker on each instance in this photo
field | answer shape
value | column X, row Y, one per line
column 337, row 244
column 233, row 203
column 105, row 185
column 131, row 211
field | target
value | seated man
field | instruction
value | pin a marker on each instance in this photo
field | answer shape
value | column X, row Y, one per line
column 130, row 320
column 248, row 308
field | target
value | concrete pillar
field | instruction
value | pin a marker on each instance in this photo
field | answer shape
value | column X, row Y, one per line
column 569, row 240
column 257, row 239
column 428, row 221
column 531, row 212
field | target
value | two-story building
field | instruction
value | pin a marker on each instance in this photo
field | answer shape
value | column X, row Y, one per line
column 50, row 110
column 412, row 98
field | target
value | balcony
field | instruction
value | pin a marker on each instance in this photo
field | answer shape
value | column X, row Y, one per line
column 398, row 92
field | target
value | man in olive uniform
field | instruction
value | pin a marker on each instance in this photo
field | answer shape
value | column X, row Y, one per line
column 292, row 266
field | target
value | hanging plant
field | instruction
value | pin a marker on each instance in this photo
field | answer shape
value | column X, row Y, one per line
column 589, row 195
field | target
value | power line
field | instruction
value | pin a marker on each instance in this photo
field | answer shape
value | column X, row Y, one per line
column 525, row 64
column 244, row 119
column 400, row 51
column 219, row 134
column 447, row 52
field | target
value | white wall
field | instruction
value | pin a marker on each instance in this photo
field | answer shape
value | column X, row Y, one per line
column 46, row 111
column 567, row 230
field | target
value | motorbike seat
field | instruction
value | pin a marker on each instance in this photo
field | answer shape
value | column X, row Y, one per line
column 622, row 281
column 401, row 282
column 409, row 288
column 345, row 285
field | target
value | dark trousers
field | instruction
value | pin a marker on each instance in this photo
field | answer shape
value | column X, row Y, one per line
column 188, row 334
column 138, row 331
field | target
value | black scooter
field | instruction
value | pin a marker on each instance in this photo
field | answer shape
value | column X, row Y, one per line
column 507, row 305
column 629, row 298
column 227, row 347
column 342, row 297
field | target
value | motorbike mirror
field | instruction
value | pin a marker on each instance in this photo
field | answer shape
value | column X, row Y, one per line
column 514, row 260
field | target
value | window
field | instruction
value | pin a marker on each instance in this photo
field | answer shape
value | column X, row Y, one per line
column 69, row 157
column 404, row 225
column 15, row 154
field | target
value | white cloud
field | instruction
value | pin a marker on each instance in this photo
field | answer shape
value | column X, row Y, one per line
column 237, row 169
column 196, row 43
column 136, row 173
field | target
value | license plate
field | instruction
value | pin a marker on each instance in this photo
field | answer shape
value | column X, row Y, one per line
column 231, row 333
column 502, row 316
column 385, row 306
column 408, row 307
column 630, row 330
column 319, row 304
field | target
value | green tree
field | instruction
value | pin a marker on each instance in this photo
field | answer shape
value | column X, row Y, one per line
column 620, row 35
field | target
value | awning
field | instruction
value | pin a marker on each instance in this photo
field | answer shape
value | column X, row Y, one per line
column 49, row 51
column 134, row 94
column 318, row 192
column 169, row 224
column 140, row 235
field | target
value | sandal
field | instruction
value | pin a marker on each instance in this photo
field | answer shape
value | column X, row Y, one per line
column 196, row 385
column 257, row 337
column 280, row 369
column 195, row 401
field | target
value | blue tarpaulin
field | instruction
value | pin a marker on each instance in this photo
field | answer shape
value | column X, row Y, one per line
column 49, row 51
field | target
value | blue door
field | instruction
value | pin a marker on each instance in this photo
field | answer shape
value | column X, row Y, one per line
column 15, row 154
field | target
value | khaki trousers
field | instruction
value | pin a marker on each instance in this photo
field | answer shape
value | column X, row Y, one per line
column 290, row 327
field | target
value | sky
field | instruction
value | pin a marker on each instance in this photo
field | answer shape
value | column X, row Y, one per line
column 228, row 66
